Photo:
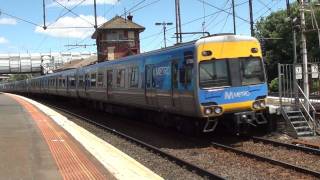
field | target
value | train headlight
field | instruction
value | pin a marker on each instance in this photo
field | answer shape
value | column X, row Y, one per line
column 218, row 110
column 207, row 111
column 256, row 105
column 262, row 104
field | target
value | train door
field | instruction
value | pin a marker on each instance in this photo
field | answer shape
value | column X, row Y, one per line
column 150, row 93
column 174, row 85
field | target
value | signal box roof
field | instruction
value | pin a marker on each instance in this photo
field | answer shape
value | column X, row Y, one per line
column 118, row 23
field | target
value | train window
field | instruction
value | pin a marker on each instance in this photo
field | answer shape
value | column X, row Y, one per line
column 134, row 76
column 80, row 81
column 87, row 80
column 214, row 73
column 188, row 57
column 109, row 78
column 93, row 80
column 72, row 82
column 100, row 79
column 121, row 78
column 60, row 82
column 185, row 75
column 252, row 71
column 63, row 82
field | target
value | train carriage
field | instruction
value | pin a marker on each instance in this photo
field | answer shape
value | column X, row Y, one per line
column 203, row 80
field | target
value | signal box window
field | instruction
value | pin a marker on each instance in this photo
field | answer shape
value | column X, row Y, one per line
column 93, row 80
column 134, row 76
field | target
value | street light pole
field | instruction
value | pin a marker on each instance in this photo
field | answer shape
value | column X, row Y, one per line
column 164, row 25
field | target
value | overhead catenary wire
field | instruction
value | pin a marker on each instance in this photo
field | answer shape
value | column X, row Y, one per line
column 19, row 18
column 62, row 15
column 73, row 12
column 225, row 11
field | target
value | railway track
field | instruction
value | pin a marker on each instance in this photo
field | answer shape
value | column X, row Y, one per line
column 296, row 145
column 182, row 163
column 273, row 161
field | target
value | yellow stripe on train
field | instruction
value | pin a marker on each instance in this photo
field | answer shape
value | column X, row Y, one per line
column 232, row 107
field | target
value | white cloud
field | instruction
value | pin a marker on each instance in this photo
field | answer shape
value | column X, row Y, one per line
column 58, row 28
column 9, row 21
column 3, row 40
column 69, row 3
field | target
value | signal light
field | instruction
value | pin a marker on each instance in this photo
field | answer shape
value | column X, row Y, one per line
column 206, row 53
column 254, row 50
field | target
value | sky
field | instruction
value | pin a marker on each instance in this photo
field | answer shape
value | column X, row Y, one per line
column 21, row 21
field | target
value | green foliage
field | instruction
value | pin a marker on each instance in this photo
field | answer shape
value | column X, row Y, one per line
column 274, row 85
column 276, row 30
column 19, row 77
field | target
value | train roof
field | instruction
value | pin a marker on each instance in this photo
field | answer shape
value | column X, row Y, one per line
column 224, row 38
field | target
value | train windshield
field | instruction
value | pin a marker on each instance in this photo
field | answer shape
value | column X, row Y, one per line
column 251, row 71
column 214, row 73
column 231, row 72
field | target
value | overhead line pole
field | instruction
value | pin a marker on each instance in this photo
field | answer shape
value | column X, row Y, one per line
column 234, row 18
column 251, row 18
column 178, row 22
column 44, row 14
column 304, row 54
column 95, row 14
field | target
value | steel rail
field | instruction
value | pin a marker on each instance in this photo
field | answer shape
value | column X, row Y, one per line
column 191, row 167
column 269, row 160
column 286, row 145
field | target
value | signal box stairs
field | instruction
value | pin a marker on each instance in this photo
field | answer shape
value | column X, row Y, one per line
column 296, row 122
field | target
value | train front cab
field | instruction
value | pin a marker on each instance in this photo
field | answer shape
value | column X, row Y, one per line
column 231, row 81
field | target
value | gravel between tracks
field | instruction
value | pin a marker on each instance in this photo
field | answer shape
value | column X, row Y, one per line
column 221, row 162
column 157, row 164
column 234, row 166
column 296, row 157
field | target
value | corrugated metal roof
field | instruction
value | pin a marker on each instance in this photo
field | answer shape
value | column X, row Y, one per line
column 77, row 63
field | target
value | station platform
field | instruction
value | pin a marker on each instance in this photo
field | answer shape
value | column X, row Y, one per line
column 38, row 143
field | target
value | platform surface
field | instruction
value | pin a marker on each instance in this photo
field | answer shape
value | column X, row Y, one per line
column 23, row 152
column 37, row 142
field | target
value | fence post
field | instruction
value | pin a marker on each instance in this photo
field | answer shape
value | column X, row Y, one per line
column 279, row 85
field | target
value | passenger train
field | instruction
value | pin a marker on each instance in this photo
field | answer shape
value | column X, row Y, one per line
column 198, row 83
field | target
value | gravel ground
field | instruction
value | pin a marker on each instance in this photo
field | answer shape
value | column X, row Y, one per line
column 194, row 150
column 234, row 166
column 295, row 157
column 157, row 164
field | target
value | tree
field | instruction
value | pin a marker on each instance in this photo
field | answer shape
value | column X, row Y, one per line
column 19, row 77
column 276, row 31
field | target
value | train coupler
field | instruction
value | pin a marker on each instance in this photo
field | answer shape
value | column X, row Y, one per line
column 210, row 125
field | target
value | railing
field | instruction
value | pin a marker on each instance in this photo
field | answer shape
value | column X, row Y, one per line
column 306, row 105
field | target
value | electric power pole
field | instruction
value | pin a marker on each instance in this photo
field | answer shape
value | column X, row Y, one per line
column 251, row 18
column 95, row 14
column 164, row 25
column 178, row 22
column 234, row 18
column 304, row 53
column 44, row 14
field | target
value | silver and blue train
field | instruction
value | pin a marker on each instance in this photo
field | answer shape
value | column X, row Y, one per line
column 197, row 83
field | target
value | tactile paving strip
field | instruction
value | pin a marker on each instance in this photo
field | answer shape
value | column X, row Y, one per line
column 71, row 161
